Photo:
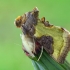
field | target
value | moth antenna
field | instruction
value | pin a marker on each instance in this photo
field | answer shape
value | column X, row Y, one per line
column 17, row 44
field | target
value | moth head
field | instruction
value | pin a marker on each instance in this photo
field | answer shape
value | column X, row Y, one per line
column 20, row 20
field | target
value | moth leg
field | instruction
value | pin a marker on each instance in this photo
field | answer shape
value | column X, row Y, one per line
column 40, row 53
column 34, row 51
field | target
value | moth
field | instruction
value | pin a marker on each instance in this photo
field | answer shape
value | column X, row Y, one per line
column 38, row 34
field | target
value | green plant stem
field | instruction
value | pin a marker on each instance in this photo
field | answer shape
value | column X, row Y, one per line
column 46, row 62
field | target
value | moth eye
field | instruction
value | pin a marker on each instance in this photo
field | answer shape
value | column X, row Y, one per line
column 18, row 23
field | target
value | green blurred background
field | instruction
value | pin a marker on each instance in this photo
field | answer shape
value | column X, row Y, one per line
column 12, row 56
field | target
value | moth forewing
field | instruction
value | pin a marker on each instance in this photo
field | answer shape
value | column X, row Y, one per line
column 66, row 46
column 61, row 55
column 61, row 39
